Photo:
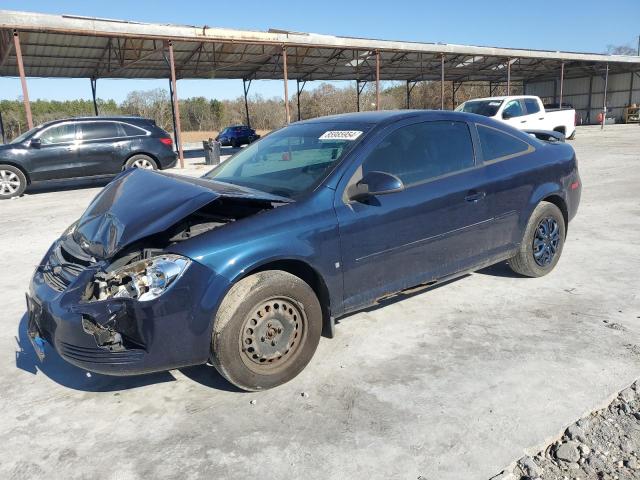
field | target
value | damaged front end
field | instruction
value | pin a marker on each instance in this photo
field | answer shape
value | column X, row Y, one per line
column 112, row 297
column 143, row 280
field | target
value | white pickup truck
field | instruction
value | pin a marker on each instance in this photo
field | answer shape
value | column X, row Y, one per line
column 524, row 113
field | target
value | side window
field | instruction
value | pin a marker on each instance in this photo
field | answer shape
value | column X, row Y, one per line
column 131, row 131
column 532, row 105
column 98, row 130
column 59, row 134
column 499, row 145
column 513, row 109
column 422, row 151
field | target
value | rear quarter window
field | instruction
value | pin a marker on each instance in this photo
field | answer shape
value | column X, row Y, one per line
column 499, row 145
column 131, row 131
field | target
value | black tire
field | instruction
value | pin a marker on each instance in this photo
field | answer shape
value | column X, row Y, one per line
column 266, row 330
column 573, row 135
column 234, row 143
column 141, row 161
column 539, row 260
column 13, row 182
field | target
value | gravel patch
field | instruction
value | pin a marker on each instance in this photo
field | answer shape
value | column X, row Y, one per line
column 602, row 446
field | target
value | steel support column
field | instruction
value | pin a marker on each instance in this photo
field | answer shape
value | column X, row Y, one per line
column 298, row 92
column 173, row 116
column 604, row 102
column 408, row 96
column 509, row 77
column 377, row 79
column 561, row 84
column 23, row 79
column 631, row 85
column 175, row 105
column 589, row 104
column 246, row 85
column 4, row 139
column 286, row 85
column 94, row 86
column 442, row 82
column 359, row 90
column 454, row 90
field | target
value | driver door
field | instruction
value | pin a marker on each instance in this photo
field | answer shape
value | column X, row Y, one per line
column 436, row 226
column 56, row 155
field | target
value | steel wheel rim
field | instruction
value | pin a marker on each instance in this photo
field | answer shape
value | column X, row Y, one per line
column 142, row 163
column 9, row 182
column 272, row 334
column 546, row 241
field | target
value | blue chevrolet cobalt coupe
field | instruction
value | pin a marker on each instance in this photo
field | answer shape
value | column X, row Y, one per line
column 245, row 267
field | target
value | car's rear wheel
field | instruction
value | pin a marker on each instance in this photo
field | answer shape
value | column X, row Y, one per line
column 266, row 330
column 12, row 182
column 141, row 161
column 542, row 244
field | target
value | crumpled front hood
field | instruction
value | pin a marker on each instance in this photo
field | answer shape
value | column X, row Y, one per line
column 136, row 204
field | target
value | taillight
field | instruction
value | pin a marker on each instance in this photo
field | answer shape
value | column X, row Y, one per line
column 166, row 141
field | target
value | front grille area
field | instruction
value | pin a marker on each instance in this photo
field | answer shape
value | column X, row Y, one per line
column 99, row 355
column 62, row 268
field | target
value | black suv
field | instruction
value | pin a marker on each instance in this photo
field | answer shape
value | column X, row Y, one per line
column 82, row 147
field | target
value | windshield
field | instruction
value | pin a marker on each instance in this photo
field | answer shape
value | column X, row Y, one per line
column 25, row 135
column 487, row 108
column 290, row 161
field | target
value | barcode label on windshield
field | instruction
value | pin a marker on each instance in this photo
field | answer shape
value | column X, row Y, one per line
column 340, row 135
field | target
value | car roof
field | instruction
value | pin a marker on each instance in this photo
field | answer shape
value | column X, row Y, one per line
column 120, row 118
column 503, row 97
column 384, row 117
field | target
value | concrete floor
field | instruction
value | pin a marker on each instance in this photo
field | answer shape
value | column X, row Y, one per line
column 452, row 383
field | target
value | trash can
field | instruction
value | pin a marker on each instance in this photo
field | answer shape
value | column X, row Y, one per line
column 211, row 151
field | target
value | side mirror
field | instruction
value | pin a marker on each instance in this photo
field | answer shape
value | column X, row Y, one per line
column 506, row 115
column 35, row 143
column 375, row 183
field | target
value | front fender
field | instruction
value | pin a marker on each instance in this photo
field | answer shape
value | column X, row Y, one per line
column 306, row 234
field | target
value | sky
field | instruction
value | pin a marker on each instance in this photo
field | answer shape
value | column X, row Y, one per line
column 569, row 25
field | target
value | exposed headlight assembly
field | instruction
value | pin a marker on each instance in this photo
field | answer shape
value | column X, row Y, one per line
column 143, row 280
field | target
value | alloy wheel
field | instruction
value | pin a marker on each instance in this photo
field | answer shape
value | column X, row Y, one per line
column 9, row 182
column 142, row 163
column 546, row 241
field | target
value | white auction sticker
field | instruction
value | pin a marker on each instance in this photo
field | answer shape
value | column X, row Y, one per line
column 340, row 135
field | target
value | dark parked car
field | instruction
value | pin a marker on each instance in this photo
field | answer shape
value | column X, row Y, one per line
column 237, row 136
column 82, row 147
column 245, row 266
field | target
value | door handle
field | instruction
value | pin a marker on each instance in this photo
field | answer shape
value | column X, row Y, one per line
column 541, row 118
column 474, row 196
column 523, row 121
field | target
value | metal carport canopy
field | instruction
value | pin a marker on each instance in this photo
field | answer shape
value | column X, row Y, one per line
column 77, row 47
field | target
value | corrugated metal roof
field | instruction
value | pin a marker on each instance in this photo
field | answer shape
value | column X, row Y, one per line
column 72, row 46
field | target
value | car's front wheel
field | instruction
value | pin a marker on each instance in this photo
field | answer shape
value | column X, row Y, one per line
column 12, row 182
column 141, row 161
column 542, row 244
column 266, row 330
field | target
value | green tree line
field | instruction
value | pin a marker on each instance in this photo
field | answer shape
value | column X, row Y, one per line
column 201, row 114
